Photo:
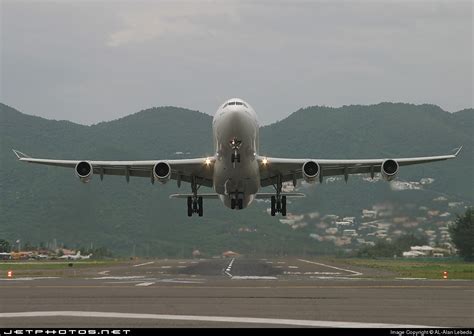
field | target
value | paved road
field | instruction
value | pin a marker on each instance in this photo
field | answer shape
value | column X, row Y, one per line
column 242, row 292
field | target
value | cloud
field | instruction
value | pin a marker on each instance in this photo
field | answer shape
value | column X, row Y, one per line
column 145, row 22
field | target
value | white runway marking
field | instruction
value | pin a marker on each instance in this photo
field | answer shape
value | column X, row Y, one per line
column 103, row 272
column 253, row 277
column 229, row 267
column 293, row 267
column 182, row 281
column 147, row 263
column 410, row 278
column 29, row 278
column 354, row 273
column 120, row 277
column 144, row 284
column 254, row 320
column 314, row 273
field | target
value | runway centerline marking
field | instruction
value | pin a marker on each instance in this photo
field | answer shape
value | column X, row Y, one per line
column 229, row 267
column 147, row 263
column 229, row 319
column 354, row 273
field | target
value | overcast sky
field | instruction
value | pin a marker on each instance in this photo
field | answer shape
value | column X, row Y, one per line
column 90, row 61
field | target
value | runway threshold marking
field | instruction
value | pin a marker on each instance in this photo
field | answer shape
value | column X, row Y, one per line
column 354, row 273
column 229, row 319
column 147, row 263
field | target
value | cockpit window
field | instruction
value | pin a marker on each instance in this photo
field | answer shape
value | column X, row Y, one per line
column 234, row 103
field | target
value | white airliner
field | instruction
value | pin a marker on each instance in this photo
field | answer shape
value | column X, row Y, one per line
column 76, row 256
column 236, row 171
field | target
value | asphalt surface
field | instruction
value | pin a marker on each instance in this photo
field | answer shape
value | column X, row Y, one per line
column 232, row 293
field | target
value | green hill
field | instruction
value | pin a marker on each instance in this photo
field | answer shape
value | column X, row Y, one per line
column 40, row 203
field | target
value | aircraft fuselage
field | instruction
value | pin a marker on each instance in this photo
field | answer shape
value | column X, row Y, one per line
column 236, row 171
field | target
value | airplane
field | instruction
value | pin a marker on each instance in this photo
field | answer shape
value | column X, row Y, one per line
column 76, row 256
column 236, row 172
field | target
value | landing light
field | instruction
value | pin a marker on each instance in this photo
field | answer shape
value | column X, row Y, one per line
column 208, row 161
column 264, row 161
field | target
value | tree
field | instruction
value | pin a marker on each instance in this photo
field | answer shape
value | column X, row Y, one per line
column 462, row 235
column 5, row 246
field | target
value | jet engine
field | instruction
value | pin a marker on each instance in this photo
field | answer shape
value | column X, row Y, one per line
column 162, row 172
column 389, row 169
column 311, row 171
column 84, row 171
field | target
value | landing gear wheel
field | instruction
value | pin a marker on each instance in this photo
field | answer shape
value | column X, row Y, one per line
column 240, row 203
column 190, row 207
column 232, row 203
column 273, row 201
column 201, row 210
column 283, row 205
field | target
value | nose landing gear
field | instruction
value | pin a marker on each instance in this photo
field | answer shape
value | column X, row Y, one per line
column 237, row 201
column 235, row 145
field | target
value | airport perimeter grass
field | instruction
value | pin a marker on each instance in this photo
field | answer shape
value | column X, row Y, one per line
column 51, row 265
column 49, row 268
column 430, row 269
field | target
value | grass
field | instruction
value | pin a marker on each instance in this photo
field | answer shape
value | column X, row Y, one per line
column 47, row 265
column 430, row 269
column 49, row 268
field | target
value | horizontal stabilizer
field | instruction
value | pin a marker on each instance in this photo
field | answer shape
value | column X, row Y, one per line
column 204, row 196
column 269, row 195
column 257, row 196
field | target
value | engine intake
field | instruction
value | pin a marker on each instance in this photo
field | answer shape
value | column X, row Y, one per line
column 389, row 169
column 84, row 171
column 311, row 171
column 162, row 172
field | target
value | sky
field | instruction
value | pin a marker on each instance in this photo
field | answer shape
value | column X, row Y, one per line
column 90, row 61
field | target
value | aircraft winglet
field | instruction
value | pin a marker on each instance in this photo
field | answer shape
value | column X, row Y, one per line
column 20, row 155
column 457, row 151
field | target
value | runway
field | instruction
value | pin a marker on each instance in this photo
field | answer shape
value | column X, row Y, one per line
column 233, row 293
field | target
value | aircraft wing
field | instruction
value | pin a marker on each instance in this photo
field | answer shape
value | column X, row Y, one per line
column 291, row 169
column 181, row 170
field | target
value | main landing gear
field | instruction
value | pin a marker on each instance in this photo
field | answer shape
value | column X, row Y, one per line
column 195, row 206
column 195, row 202
column 278, row 205
column 278, row 202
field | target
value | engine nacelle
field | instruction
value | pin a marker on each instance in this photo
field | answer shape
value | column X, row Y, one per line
column 389, row 169
column 84, row 171
column 162, row 172
column 311, row 171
